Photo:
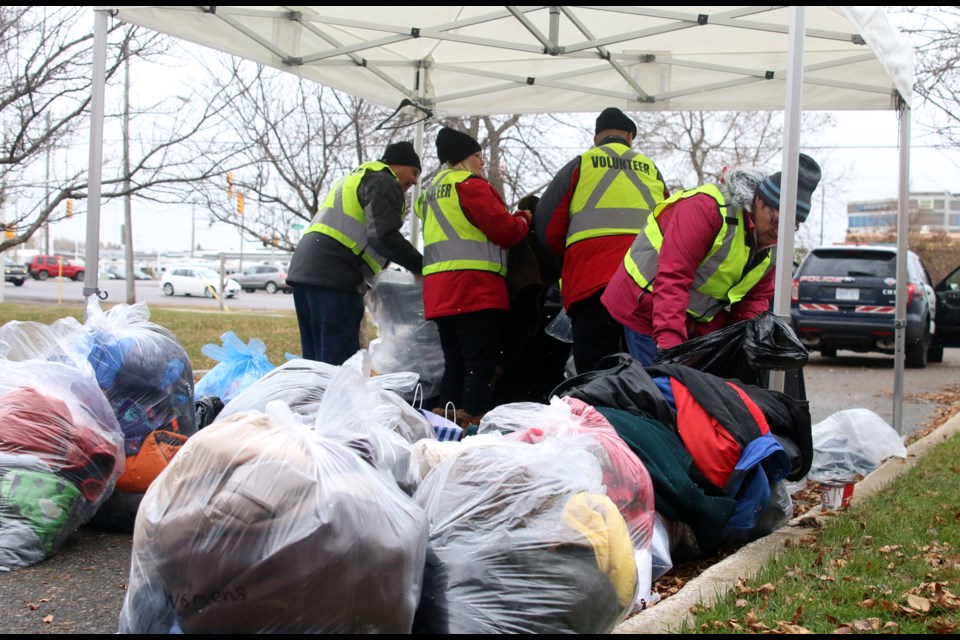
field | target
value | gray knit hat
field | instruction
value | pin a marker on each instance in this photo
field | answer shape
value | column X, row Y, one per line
column 808, row 177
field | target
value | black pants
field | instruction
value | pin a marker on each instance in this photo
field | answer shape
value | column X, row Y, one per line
column 471, row 346
column 595, row 333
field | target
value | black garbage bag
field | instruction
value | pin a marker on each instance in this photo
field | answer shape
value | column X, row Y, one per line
column 745, row 351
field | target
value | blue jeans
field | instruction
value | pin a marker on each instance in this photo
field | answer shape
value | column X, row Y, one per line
column 329, row 322
column 640, row 346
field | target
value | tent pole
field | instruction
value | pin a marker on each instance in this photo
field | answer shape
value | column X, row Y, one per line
column 903, row 230
column 92, row 250
column 416, row 237
column 789, row 170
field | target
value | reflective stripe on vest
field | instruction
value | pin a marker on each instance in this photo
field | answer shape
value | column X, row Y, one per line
column 719, row 279
column 342, row 217
column 614, row 194
column 450, row 241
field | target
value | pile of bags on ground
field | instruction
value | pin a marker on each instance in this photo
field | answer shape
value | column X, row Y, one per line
column 309, row 498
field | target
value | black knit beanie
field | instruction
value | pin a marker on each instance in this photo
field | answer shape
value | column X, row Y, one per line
column 401, row 153
column 453, row 146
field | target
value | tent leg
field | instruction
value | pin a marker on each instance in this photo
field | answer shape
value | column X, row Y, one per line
column 99, row 79
column 903, row 231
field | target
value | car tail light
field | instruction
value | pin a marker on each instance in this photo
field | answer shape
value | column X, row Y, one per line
column 795, row 291
column 911, row 289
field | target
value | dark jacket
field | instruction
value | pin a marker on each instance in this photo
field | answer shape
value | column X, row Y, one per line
column 322, row 261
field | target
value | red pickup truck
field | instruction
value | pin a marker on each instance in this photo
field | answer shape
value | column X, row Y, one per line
column 42, row 267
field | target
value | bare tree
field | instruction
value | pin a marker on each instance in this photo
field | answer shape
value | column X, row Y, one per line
column 45, row 93
column 935, row 33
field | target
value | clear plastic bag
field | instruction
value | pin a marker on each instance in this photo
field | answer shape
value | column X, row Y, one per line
column 627, row 482
column 850, row 444
column 238, row 366
column 265, row 525
column 61, row 453
column 405, row 340
column 523, row 540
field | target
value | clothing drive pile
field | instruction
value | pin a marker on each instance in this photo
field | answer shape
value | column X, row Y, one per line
column 546, row 521
column 91, row 415
column 300, row 510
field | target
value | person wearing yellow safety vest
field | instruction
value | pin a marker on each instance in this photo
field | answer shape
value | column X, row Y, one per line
column 703, row 261
column 589, row 215
column 467, row 229
column 355, row 233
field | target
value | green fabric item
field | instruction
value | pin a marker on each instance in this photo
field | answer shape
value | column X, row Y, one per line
column 676, row 495
column 45, row 502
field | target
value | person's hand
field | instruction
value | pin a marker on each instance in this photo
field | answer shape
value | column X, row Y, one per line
column 526, row 215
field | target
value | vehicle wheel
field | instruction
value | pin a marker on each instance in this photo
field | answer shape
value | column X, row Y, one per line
column 271, row 287
column 78, row 277
column 935, row 352
column 916, row 354
column 43, row 275
column 167, row 289
column 19, row 283
column 829, row 352
column 207, row 292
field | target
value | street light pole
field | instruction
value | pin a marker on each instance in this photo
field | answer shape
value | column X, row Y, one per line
column 193, row 227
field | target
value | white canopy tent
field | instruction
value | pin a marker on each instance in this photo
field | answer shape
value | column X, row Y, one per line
column 482, row 60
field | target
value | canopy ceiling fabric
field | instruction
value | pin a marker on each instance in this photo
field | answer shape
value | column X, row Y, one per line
column 480, row 60
column 483, row 60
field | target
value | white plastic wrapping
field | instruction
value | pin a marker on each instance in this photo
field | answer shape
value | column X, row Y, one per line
column 852, row 443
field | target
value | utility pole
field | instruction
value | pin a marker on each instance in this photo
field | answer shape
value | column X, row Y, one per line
column 127, row 213
column 46, row 224
column 193, row 227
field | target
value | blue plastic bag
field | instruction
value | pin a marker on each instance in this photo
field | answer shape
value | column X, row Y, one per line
column 240, row 365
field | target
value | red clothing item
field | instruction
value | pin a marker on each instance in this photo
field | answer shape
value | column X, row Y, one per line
column 689, row 228
column 454, row 292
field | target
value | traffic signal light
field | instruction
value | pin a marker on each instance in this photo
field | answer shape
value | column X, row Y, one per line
column 8, row 231
column 229, row 185
column 239, row 204
column 69, row 207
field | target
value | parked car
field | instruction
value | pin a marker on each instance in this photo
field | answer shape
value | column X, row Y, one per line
column 268, row 277
column 141, row 274
column 15, row 272
column 948, row 315
column 43, row 267
column 196, row 281
column 844, row 296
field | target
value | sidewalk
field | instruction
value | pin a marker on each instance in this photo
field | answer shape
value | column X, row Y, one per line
column 668, row 615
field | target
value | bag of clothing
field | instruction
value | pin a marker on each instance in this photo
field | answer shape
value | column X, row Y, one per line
column 61, row 453
column 263, row 525
column 523, row 539
column 745, row 350
column 148, row 379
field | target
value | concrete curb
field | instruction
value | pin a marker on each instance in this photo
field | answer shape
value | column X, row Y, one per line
column 715, row 582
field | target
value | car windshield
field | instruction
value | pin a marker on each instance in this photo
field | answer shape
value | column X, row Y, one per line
column 208, row 274
column 880, row 264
